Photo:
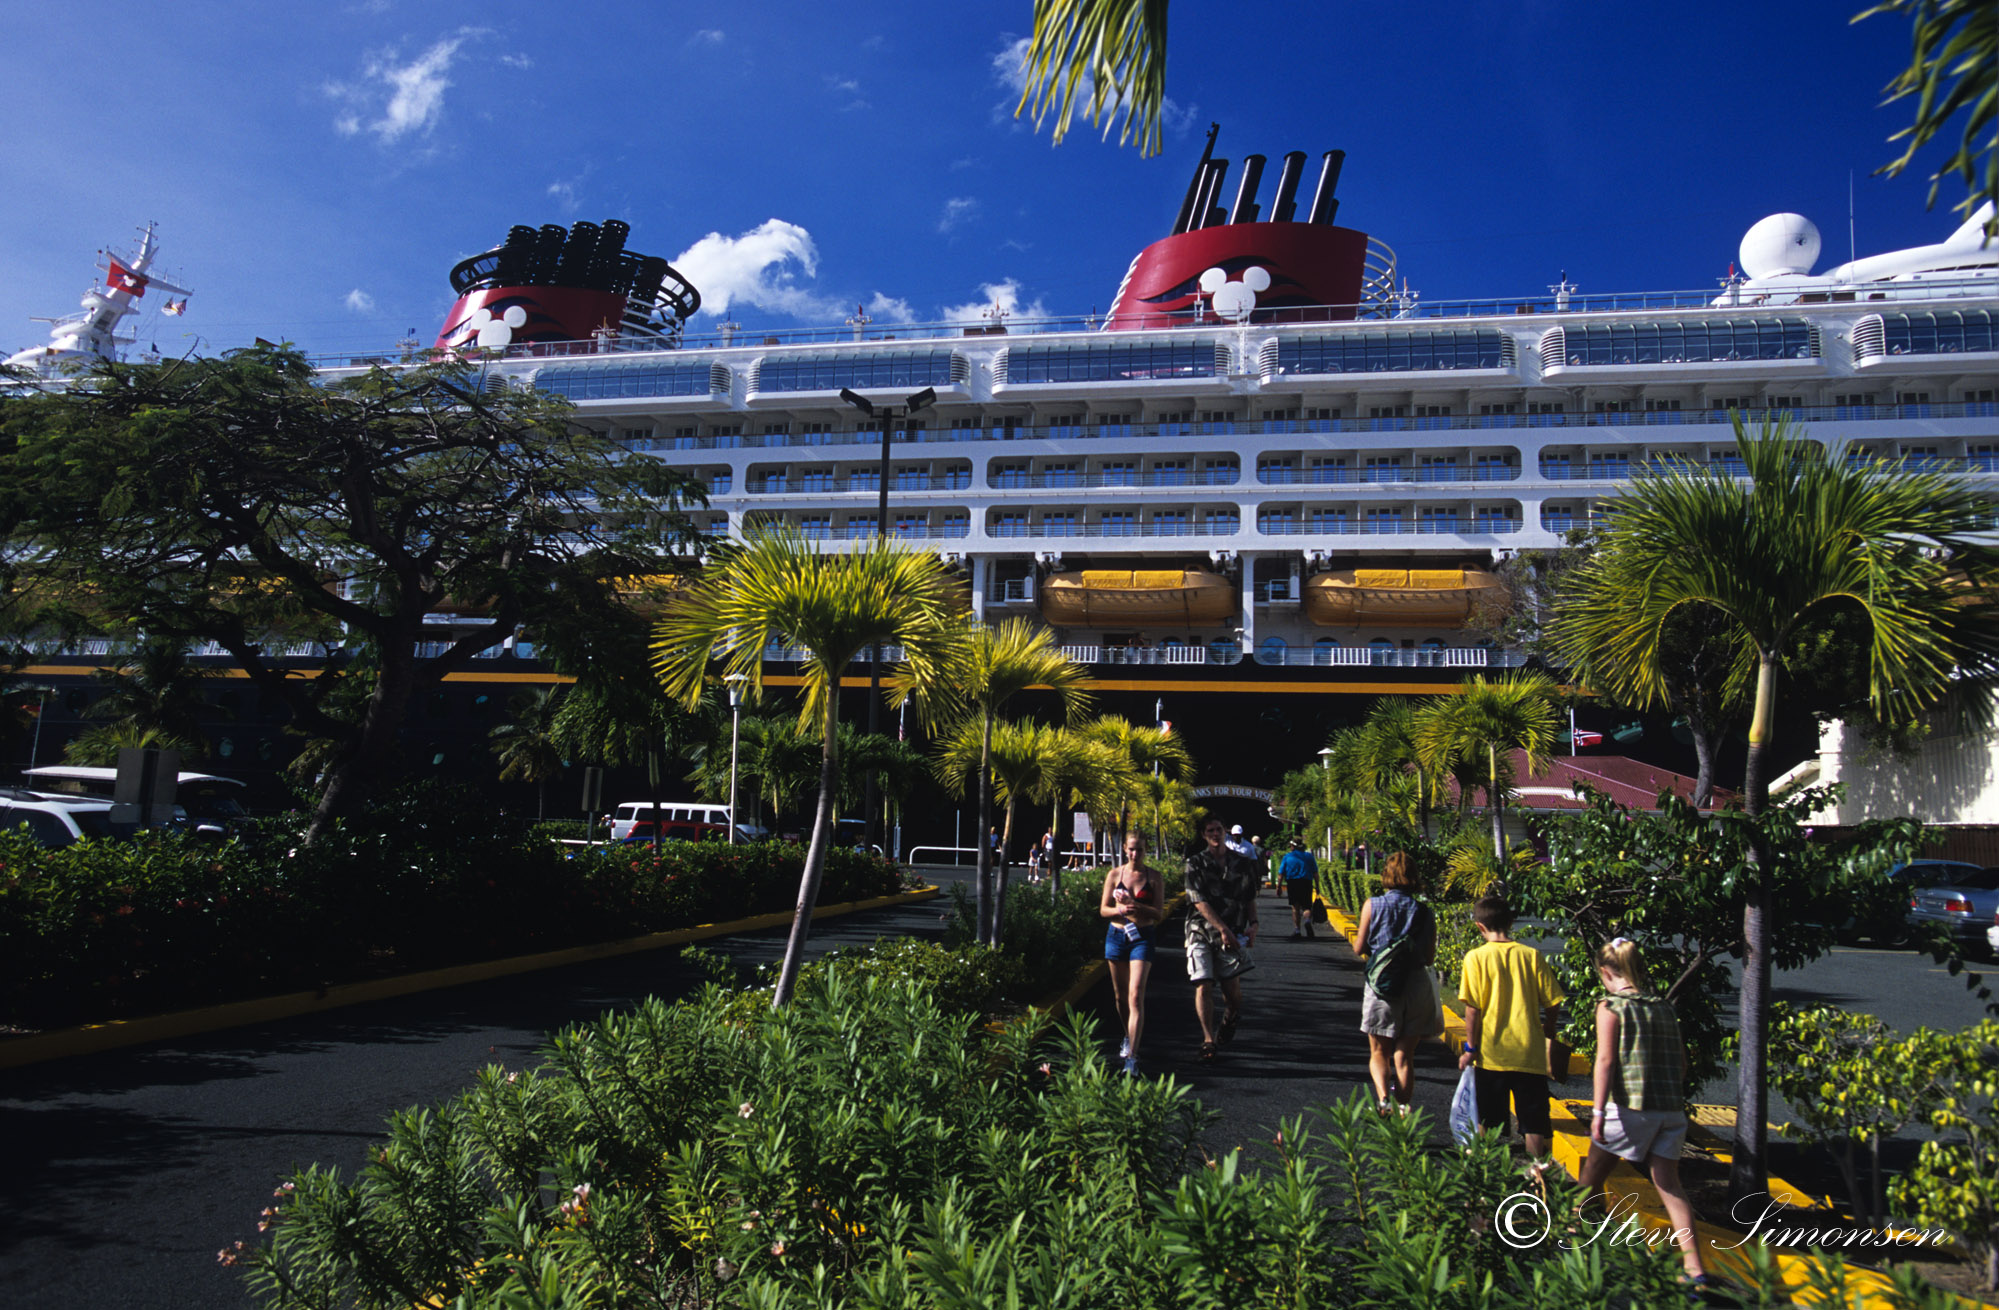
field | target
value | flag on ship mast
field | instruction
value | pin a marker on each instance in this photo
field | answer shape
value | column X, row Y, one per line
column 174, row 307
column 124, row 279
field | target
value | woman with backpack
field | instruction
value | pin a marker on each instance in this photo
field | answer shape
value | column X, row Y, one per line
column 1397, row 938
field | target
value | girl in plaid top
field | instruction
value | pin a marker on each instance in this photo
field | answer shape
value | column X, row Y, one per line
column 1640, row 1105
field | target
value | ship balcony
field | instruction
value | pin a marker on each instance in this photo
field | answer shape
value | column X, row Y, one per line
column 1474, row 469
column 1456, row 521
column 1015, row 479
column 1382, row 653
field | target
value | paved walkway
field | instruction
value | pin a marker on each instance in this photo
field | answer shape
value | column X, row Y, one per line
column 1299, row 1044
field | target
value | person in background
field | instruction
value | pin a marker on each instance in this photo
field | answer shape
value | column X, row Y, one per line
column 1221, row 929
column 1134, row 900
column 1394, row 1025
column 1640, row 1110
column 1300, row 872
column 1510, row 997
column 1239, row 843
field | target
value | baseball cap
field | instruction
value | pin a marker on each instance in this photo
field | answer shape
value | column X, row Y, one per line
column 1236, row 831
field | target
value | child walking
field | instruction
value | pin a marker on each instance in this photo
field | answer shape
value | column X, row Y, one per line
column 1640, row 1110
column 1510, row 996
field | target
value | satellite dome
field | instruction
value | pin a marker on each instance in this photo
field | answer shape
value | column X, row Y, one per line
column 1781, row 243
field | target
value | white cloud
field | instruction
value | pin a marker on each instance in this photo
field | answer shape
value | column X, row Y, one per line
column 958, row 209
column 360, row 301
column 517, row 61
column 394, row 100
column 1002, row 297
column 1010, row 71
column 564, row 195
column 707, row 36
column 890, row 309
column 758, row 268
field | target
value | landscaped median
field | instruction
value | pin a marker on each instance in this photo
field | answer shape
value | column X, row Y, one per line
column 87, row 1038
column 1629, row 1195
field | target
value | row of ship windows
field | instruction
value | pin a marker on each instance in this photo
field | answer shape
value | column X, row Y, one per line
column 1442, row 520
column 1977, row 402
column 1346, row 352
column 1287, row 470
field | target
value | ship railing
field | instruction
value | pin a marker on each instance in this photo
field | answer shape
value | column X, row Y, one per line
column 1389, row 657
column 1197, row 318
column 1217, row 652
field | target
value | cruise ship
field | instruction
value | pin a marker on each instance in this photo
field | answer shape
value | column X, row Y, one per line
column 1271, row 466
column 1270, row 459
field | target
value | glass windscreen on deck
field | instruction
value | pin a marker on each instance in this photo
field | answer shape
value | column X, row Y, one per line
column 833, row 370
column 1687, row 343
column 1391, row 352
column 1120, row 363
column 616, row 381
column 1942, row 333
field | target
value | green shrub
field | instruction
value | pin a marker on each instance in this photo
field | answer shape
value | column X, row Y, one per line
column 867, row 1149
column 431, row 876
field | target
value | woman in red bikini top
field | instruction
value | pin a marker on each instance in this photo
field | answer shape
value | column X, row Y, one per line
column 1133, row 901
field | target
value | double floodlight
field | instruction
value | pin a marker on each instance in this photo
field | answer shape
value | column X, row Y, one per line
column 923, row 399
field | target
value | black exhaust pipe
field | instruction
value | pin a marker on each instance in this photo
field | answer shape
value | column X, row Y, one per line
column 1206, row 212
column 1246, row 208
column 1187, row 210
column 1323, row 204
column 1284, row 206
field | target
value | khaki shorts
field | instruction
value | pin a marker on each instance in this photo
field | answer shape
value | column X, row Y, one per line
column 1636, row 1134
column 1208, row 962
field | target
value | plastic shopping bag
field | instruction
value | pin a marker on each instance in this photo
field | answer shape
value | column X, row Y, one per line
column 1464, row 1107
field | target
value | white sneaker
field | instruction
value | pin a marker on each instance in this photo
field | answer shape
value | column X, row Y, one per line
column 1124, row 1049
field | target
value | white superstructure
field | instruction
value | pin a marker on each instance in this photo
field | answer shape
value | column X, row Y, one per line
column 81, row 339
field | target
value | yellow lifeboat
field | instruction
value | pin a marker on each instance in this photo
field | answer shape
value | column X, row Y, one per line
column 1400, row 598
column 1137, row 598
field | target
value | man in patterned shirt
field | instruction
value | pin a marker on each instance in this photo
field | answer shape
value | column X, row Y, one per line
column 1221, row 927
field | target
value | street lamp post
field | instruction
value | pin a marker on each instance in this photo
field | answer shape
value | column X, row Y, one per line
column 1326, row 764
column 735, row 742
column 922, row 400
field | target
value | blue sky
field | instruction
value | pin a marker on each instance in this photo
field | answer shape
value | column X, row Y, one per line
column 316, row 170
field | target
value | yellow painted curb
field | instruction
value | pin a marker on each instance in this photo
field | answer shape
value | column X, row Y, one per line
column 16, row 1052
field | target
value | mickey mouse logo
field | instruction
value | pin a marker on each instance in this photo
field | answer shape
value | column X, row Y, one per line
column 498, row 333
column 1234, row 300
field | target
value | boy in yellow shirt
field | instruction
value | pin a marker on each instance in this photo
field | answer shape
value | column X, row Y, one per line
column 1510, row 997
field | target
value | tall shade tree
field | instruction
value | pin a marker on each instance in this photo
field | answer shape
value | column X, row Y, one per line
column 245, row 499
column 1806, row 531
column 1483, row 724
column 1143, row 749
column 779, row 589
column 527, row 748
column 1000, row 662
column 1110, row 52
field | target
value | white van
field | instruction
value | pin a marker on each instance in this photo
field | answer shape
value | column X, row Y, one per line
column 678, row 820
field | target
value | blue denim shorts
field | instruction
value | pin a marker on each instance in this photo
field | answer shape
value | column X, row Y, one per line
column 1117, row 946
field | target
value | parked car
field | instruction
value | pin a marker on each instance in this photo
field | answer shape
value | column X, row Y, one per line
column 57, row 821
column 1888, row 924
column 682, row 820
column 1966, row 906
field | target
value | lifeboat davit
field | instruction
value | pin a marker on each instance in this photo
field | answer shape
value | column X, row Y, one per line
column 1399, row 598
column 1138, row 598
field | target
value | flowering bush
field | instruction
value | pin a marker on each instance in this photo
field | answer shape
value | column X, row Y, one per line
column 113, row 928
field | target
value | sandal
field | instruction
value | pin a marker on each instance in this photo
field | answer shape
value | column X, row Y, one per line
column 1227, row 1031
column 1208, row 1051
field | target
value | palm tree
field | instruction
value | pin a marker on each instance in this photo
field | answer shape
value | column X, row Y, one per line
column 1807, row 532
column 1079, row 770
column 527, row 747
column 778, row 589
column 1144, row 750
column 1956, row 42
column 1020, row 757
column 156, row 697
column 999, row 663
column 98, row 747
column 1484, row 724
column 1113, row 50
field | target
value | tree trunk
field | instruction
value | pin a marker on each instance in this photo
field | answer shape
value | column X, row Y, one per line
column 999, row 893
column 984, row 878
column 365, row 761
column 815, row 858
column 1495, row 800
column 1704, row 744
column 1749, row 1173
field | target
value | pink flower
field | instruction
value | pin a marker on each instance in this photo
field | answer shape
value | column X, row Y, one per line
column 745, row 1110
column 777, row 1248
column 1046, row 1069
